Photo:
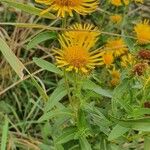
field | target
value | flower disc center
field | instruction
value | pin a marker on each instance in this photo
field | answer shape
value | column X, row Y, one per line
column 76, row 56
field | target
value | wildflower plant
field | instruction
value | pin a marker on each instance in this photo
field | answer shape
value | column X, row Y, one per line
column 93, row 89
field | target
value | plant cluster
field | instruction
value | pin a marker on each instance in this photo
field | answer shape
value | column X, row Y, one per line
column 96, row 96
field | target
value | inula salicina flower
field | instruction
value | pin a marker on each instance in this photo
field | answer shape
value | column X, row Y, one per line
column 127, row 60
column 142, row 31
column 83, row 34
column 76, row 52
column 116, row 18
column 107, row 58
column 119, row 2
column 63, row 7
column 116, row 46
column 115, row 76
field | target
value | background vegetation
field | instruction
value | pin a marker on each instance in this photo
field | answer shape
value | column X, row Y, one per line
column 35, row 111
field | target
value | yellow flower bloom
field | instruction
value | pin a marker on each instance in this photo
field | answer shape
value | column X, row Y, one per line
column 117, row 47
column 115, row 75
column 62, row 7
column 75, row 54
column 143, row 32
column 115, row 81
column 107, row 58
column 127, row 60
column 119, row 2
column 116, row 18
column 83, row 34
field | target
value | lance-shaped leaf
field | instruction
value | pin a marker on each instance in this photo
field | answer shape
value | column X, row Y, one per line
column 15, row 63
column 29, row 9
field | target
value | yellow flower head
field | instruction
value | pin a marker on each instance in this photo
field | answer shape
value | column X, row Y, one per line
column 107, row 58
column 143, row 32
column 76, row 55
column 116, row 18
column 62, row 7
column 115, row 73
column 115, row 76
column 83, row 34
column 115, row 81
column 117, row 47
column 127, row 60
column 119, row 2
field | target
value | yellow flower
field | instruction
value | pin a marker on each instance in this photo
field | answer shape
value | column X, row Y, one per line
column 75, row 54
column 119, row 2
column 115, row 81
column 116, row 18
column 143, row 32
column 107, row 58
column 117, row 47
column 127, row 60
column 62, row 7
column 83, row 34
column 115, row 75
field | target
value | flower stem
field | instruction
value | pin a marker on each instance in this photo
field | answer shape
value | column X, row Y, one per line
column 68, row 88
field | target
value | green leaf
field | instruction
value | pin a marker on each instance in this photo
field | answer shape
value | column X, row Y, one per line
column 66, row 136
column 135, row 124
column 130, row 43
column 41, row 91
column 147, row 46
column 89, row 85
column 46, row 147
column 84, row 143
column 4, row 134
column 15, row 63
column 40, row 38
column 147, row 143
column 114, row 146
column 117, row 97
column 140, row 111
column 4, row 107
column 46, row 130
column 59, row 147
column 82, row 122
column 117, row 131
column 98, row 118
column 30, row 25
column 55, row 97
column 29, row 9
column 47, row 66
column 56, row 113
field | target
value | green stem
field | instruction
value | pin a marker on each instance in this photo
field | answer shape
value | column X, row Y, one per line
column 64, row 22
column 68, row 88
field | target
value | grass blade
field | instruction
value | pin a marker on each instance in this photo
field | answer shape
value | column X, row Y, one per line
column 29, row 9
column 47, row 66
column 15, row 63
column 4, row 134
column 40, row 38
